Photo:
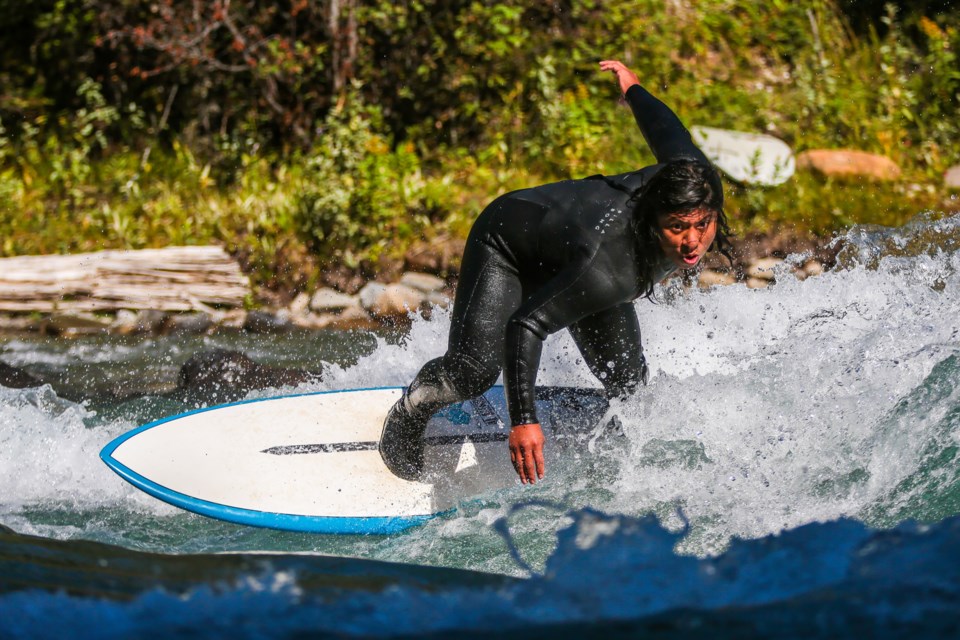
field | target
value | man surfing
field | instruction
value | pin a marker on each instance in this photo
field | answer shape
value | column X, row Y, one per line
column 569, row 255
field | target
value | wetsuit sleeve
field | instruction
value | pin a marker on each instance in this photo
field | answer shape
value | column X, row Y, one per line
column 665, row 134
column 581, row 289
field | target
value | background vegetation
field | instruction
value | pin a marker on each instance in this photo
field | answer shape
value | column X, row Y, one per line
column 305, row 135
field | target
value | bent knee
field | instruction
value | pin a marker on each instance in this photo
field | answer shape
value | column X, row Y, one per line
column 470, row 376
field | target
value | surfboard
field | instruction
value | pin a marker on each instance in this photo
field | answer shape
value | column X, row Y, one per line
column 753, row 158
column 309, row 462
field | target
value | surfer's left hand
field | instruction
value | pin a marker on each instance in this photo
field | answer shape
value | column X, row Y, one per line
column 526, row 452
column 625, row 77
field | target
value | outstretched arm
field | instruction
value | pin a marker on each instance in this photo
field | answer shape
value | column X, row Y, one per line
column 668, row 138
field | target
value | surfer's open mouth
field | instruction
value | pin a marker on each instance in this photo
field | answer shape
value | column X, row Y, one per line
column 690, row 259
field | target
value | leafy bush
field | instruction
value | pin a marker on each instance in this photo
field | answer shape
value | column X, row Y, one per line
column 357, row 195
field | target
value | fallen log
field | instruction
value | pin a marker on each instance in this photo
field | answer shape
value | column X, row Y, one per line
column 169, row 279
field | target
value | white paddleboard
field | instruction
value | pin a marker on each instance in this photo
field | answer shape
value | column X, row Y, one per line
column 753, row 158
column 310, row 462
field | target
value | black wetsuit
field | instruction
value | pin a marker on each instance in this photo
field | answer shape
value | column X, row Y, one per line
column 539, row 260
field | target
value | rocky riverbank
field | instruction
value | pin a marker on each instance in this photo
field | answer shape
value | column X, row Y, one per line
column 348, row 301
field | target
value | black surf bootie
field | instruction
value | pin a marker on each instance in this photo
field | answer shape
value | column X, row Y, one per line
column 401, row 443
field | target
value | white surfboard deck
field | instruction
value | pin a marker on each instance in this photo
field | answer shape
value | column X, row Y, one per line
column 310, row 462
column 753, row 158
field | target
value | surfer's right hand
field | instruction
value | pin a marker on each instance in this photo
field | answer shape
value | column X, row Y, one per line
column 526, row 452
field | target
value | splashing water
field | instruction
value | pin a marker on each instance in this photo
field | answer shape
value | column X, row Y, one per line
column 768, row 410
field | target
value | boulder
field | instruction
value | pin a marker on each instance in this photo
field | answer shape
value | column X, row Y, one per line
column 19, row 324
column 77, row 323
column 422, row 282
column 710, row 278
column 951, row 179
column 438, row 299
column 234, row 319
column 352, row 318
column 128, row 322
column 763, row 268
column 150, row 321
column 124, row 322
column 299, row 305
column 226, row 375
column 327, row 300
column 392, row 301
column 187, row 324
column 850, row 163
column 310, row 320
column 812, row 267
column 266, row 322
column 16, row 378
column 370, row 293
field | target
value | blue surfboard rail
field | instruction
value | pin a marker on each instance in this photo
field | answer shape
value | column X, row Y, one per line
column 284, row 521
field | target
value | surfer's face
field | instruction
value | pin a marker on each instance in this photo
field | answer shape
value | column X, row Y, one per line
column 686, row 237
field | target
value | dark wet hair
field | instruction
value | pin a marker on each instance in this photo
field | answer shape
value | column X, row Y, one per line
column 681, row 186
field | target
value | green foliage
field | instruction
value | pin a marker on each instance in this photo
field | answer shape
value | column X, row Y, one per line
column 808, row 203
column 301, row 139
column 358, row 195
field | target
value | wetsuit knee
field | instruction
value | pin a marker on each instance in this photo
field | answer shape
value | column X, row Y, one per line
column 469, row 376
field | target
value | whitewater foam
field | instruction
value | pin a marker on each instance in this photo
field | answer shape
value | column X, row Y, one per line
column 767, row 410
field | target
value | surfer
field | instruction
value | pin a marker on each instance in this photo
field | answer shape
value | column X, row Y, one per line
column 569, row 255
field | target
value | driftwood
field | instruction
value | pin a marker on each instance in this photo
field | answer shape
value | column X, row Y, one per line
column 170, row 279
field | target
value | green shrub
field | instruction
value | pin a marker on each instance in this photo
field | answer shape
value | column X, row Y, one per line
column 358, row 196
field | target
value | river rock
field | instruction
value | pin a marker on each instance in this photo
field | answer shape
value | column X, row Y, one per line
column 353, row 318
column 438, row 299
column 758, row 283
column 299, row 305
column 951, row 179
column 128, row 322
column 327, row 300
column 77, row 324
column 234, row 319
column 187, row 324
column 848, row 162
column 812, row 267
column 16, row 378
column 370, row 293
column 710, row 278
column 18, row 324
column 150, row 321
column 309, row 320
column 422, row 282
column 267, row 322
column 763, row 269
column 228, row 375
column 397, row 301
column 124, row 322
column 392, row 301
